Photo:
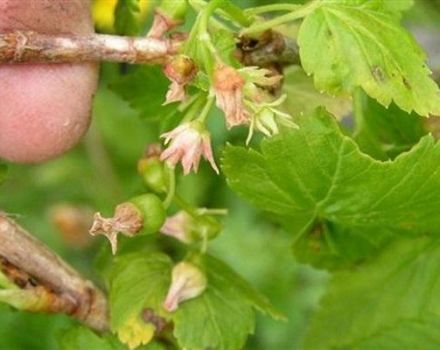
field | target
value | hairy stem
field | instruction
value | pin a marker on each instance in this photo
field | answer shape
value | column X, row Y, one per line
column 18, row 47
column 39, row 272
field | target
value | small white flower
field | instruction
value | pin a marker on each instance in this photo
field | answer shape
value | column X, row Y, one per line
column 266, row 118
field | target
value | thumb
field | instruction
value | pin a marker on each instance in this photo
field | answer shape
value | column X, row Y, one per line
column 44, row 109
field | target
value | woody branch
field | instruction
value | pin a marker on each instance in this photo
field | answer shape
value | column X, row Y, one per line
column 20, row 47
column 42, row 276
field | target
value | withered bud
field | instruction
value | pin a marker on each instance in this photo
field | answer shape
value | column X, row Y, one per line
column 162, row 23
column 180, row 69
column 187, row 282
column 127, row 220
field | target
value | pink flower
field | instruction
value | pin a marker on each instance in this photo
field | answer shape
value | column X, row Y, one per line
column 228, row 87
column 189, row 142
column 176, row 93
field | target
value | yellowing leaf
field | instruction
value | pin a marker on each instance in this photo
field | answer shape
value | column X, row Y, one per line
column 136, row 332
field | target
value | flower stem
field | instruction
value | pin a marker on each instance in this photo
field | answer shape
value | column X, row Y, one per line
column 172, row 190
column 299, row 13
column 196, row 106
column 184, row 205
column 205, row 111
column 236, row 13
column 18, row 47
column 212, row 211
column 271, row 8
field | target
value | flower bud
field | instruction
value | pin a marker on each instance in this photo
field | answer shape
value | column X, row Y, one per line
column 144, row 213
column 190, row 229
column 153, row 170
column 187, row 282
column 174, row 9
column 151, row 210
column 170, row 14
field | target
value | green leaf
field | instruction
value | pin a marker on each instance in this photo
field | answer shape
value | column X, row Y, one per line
column 255, row 298
column 385, row 133
column 3, row 171
column 138, row 282
column 222, row 317
column 395, row 7
column 83, row 338
column 390, row 303
column 144, row 89
column 336, row 201
column 347, row 44
column 224, row 42
column 407, row 335
column 126, row 17
column 303, row 98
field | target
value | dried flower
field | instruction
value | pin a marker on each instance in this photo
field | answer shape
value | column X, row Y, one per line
column 228, row 87
column 145, row 212
column 180, row 70
column 189, row 142
column 187, row 282
column 126, row 220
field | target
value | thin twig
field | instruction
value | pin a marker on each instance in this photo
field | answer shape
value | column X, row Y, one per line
column 70, row 293
column 19, row 47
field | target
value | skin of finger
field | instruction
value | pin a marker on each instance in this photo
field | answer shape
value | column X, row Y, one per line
column 44, row 109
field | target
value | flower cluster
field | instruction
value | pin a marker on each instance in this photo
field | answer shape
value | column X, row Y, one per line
column 241, row 94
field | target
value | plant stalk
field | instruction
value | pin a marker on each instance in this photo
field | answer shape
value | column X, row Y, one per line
column 45, row 277
column 19, row 47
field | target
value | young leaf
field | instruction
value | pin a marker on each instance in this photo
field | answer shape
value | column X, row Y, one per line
column 3, row 171
column 222, row 317
column 407, row 335
column 144, row 89
column 385, row 304
column 126, row 17
column 347, row 44
column 83, row 338
column 385, row 133
column 303, row 98
column 138, row 282
column 316, row 177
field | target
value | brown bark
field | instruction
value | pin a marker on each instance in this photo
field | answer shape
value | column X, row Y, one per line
column 28, row 46
column 29, row 264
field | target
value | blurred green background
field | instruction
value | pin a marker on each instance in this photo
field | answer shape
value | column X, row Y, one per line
column 101, row 172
